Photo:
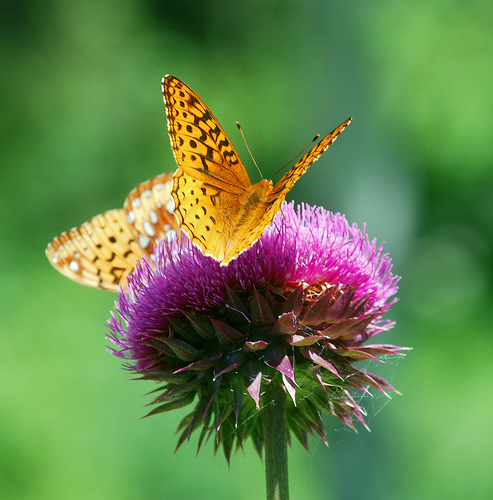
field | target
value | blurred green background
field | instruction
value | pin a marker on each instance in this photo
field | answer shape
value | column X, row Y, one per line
column 83, row 122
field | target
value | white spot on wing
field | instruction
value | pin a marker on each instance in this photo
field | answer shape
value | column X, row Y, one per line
column 149, row 229
column 170, row 205
column 153, row 216
column 136, row 203
column 166, row 228
column 74, row 266
column 144, row 241
column 147, row 193
column 131, row 217
column 159, row 186
column 159, row 204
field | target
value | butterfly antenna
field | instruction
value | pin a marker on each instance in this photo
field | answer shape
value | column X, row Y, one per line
column 246, row 144
column 296, row 156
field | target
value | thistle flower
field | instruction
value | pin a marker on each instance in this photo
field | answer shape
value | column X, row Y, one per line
column 297, row 307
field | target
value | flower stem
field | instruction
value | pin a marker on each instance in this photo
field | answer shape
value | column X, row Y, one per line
column 275, row 440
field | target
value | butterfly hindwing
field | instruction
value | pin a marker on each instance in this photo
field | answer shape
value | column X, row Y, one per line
column 209, row 219
column 105, row 250
column 100, row 253
column 149, row 210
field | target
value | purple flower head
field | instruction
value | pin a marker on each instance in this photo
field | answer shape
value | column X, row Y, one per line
column 296, row 307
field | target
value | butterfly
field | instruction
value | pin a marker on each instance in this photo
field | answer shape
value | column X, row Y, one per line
column 210, row 197
column 104, row 251
column 216, row 204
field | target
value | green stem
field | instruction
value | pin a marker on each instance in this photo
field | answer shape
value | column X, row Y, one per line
column 275, row 439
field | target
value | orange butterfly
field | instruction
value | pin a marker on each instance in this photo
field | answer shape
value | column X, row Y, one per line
column 104, row 251
column 215, row 202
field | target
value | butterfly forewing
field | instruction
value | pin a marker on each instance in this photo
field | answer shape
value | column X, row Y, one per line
column 277, row 196
column 200, row 145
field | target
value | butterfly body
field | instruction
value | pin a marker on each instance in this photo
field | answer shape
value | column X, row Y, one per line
column 215, row 203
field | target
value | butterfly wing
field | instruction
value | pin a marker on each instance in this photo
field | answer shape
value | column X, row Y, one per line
column 277, row 196
column 104, row 251
column 208, row 215
column 211, row 184
column 264, row 213
column 101, row 253
column 149, row 211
